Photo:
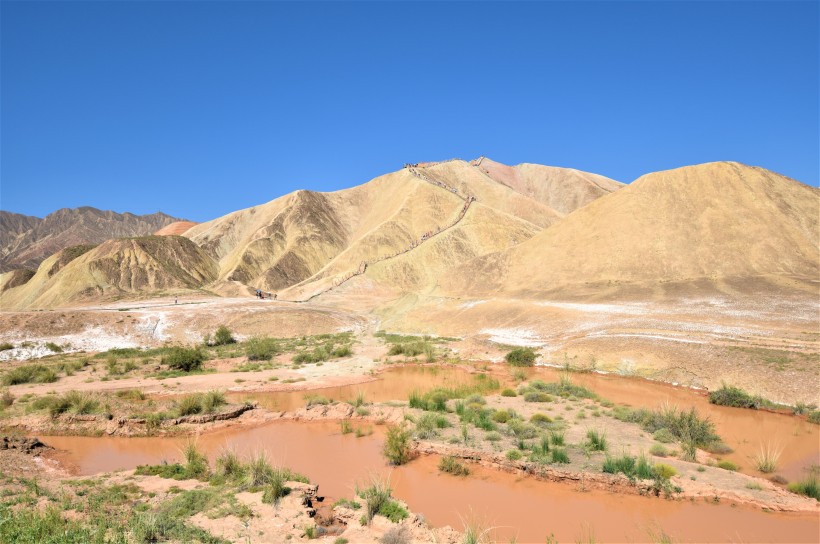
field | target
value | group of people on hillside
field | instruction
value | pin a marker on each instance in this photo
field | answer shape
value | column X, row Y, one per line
column 260, row 294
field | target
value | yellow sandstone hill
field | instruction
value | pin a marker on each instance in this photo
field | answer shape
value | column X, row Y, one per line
column 720, row 223
column 121, row 267
column 440, row 213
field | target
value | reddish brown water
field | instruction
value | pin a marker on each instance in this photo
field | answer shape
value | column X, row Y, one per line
column 394, row 384
column 744, row 430
column 525, row 508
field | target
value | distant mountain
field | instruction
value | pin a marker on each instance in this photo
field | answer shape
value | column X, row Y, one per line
column 123, row 266
column 462, row 229
column 26, row 241
column 402, row 231
column 722, row 224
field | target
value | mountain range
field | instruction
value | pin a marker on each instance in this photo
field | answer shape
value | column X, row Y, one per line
column 456, row 229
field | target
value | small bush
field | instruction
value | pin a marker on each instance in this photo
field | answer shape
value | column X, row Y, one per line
column 809, row 487
column 560, row 456
column 196, row 464
column 501, row 416
column 521, row 357
column 229, row 466
column 540, row 419
column 663, row 435
column 73, row 401
column 814, row 417
column 6, row 398
column 261, row 348
column 189, row 405
column 537, row 396
column 184, row 359
column 393, row 511
column 663, row 471
column 316, row 400
column 625, row 464
column 514, row 455
column 223, row 336
column 557, row 438
column 29, row 374
column 596, row 440
column 342, row 351
column 397, row 535
column 212, row 400
column 735, row 397
column 767, row 458
column 427, row 426
column 727, row 465
column 658, row 450
column 508, row 393
column 5, row 346
column 376, row 497
column 521, row 430
column 450, row 465
column 397, row 445
column 53, row 347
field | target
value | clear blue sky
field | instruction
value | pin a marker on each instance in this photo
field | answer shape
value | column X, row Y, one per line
column 201, row 108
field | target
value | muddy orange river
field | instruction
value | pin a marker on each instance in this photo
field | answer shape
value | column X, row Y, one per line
column 515, row 507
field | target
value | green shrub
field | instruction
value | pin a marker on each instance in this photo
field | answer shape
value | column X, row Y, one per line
column 212, row 400
column 343, row 351
column 427, row 426
column 184, row 359
column 501, row 416
column 75, row 402
column 229, row 467
column 560, row 456
column 540, row 419
column 412, row 349
column 316, row 400
column 521, row 357
column 189, row 405
column 397, row 445
column 521, row 430
column 261, row 348
column 596, row 440
column 196, row 464
column 5, row 346
column 537, row 396
column 450, row 465
column 735, row 397
column 508, row 393
column 686, row 426
column 663, row 435
column 727, row 465
column 53, row 347
column 223, row 336
column 767, row 458
column 557, row 438
column 563, row 388
column 393, row 511
column 376, row 497
column 29, row 374
column 663, row 471
column 643, row 469
column 630, row 466
column 809, row 487
column 814, row 417
column 658, row 450
column 513, row 455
